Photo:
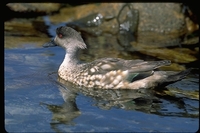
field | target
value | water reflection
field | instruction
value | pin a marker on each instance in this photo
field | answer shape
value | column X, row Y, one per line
column 145, row 100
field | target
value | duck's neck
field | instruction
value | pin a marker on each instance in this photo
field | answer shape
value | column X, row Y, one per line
column 71, row 57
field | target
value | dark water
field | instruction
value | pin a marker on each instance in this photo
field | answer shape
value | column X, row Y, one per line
column 36, row 102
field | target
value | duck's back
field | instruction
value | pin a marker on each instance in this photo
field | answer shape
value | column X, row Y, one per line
column 116, row 73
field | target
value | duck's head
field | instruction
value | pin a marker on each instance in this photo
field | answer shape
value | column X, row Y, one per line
column 67, row 38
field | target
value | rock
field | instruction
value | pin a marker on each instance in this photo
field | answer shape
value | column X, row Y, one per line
column 160, row 25
column 178, row 55
column 24, row 31
column 167, row 24
column 21, row 27
column 17, row 41
column 34, row 7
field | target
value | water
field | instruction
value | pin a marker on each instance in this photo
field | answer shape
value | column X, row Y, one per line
column 36, row 102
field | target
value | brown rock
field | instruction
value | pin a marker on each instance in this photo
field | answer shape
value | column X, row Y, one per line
column 34, row 7
column 178, row 55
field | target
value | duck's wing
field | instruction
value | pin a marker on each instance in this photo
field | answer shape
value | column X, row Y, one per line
column 142, row 66
column 137, row 69
column 142, row 69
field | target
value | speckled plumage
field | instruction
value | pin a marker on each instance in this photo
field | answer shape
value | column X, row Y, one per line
column 109, row 73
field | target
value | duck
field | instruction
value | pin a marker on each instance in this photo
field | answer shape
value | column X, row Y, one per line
column 109, row 73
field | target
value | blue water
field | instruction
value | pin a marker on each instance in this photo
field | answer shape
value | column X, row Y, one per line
column 33, row 102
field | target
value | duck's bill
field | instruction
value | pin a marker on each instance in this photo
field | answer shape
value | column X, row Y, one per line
column 50, row 44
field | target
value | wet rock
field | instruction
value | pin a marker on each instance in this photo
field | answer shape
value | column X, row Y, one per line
column 34, row 7
column 107, row 10
column 178, row 55
column 158, row 22
column 24, row 31
column 166, row 25
column 193, row 39
column 127, row 20
column 21, row 27
column 24, row 42
column 173, row 67
column 161, row 17
column 92, row 20
column 84, row 24
column 163, row 23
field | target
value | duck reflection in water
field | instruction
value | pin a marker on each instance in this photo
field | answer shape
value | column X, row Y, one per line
column 145, row 100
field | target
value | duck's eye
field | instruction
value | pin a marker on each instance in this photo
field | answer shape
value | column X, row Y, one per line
column 60, row 35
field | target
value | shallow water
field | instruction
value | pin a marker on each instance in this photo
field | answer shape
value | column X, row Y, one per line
column 36, row 102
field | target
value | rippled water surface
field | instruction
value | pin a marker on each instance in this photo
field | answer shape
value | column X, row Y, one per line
column 36, row 102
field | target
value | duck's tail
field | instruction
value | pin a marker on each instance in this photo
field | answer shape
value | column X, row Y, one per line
column 174, row 77
column 180, row 75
